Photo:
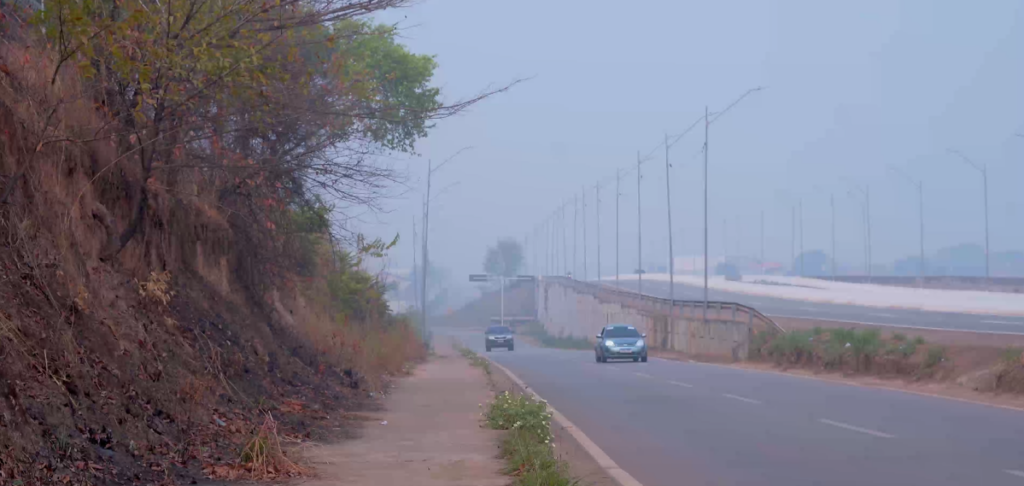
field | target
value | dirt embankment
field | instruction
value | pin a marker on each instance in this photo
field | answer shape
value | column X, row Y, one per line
column 197, row 350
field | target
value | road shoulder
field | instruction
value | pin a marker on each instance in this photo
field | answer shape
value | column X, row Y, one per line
column 430, row 434
column 582, row 464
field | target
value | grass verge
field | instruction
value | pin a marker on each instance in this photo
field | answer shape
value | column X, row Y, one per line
column 527, row 449
column 536, row 331
column 476, row 360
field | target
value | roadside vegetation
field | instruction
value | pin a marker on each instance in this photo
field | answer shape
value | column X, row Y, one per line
column 536, row 331
column 182, row 289
column 851, row 351
column 527, row 449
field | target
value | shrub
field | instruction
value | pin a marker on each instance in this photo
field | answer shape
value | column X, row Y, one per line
column 865, row 345
column 900, row 337
column 935, row 356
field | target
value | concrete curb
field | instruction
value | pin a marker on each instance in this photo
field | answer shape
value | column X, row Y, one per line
column 620, row 475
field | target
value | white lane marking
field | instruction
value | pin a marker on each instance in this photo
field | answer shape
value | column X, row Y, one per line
column 1014, row 472
column 677, row 383
column 1004, row 322
column 645, row 375
column 748, row 400
column 812, row 309
column 857, row 429
column 880, row 314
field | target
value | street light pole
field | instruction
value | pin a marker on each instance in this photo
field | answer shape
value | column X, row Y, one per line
column 584, row 207
column 597, row 190
column 706, row 147
column 671, row 258
column 639, row 229
column 575, row 223
column 618, row 193
column 762, row 242
column 832, row 201
column 800, row 203
column 919, row 185
column 984, row 180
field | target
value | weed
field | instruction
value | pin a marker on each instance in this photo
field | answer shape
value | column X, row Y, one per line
column 476, row 360
column 262, row 455
column 935, row 356
column 899, row 337
column 817, row 331
column 533, row 463
column 157, row 287
column 865, row 345
column 793, row 346
column 527, row 447
column 1013, row 356
column 919, row 341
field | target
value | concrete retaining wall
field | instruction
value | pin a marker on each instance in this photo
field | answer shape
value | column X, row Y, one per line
column 571, row 308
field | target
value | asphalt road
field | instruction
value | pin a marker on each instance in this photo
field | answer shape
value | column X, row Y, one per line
column 672, row 423
column 771, row 306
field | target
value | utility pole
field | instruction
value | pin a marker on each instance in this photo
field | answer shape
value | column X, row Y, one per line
column 984, row 180
column 639, row 245
column 426, row 260
column 706, row 147
column 583, row 204
column 671, row 258
column 597, row 190
column 414, row 276
column 832, row 201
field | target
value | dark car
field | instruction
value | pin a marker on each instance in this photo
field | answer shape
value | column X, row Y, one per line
column 499, row 337
column 620, row 341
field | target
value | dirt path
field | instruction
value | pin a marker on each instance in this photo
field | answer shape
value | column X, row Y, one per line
column 432, row 437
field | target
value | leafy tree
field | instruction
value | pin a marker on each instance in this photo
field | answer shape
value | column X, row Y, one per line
column 268, row 102
column 505, row 258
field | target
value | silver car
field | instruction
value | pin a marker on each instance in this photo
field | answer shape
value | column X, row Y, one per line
column 620, row 341
column 499, row 337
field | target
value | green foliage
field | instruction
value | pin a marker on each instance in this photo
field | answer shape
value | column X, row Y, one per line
column 517, row 412
column 1012, row 356
column 832, row 347
column 919, row 341
column 527, row 447
column 935, row 356
column 792, row 346
column 388, row 74
column 899, row 337
column 533, row 463
column 505, row 258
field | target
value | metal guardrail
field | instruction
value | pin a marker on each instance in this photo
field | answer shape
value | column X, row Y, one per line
column 695, row 304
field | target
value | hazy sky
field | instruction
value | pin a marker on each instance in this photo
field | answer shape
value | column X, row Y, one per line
column 851, row 87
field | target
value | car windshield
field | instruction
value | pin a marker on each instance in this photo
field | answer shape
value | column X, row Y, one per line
column 621, row 332
column 499, row 330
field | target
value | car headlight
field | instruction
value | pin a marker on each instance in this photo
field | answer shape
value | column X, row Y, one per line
column 639, row 343
column 609, row 343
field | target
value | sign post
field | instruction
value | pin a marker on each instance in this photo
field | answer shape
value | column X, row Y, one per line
column 483, row 277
